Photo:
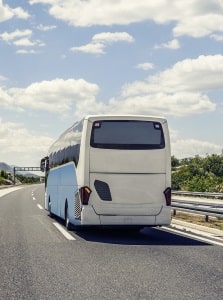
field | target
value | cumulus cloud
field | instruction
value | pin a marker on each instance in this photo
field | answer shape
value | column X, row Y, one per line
column 101, row 40
column 17, row 34
column 182, row 148
column 177, row 104
column 200, row 25
column 7, row 12
column 179, row 90
column 195, row 18
column 145, row 66
column 56, row 96
column 15, row 139
column 92, row 48
column 113, row 37
column 21, row 38
column 24, row 42
column 174, row 44
column 42, row 27
column 25, row 51
column 217, row 37
column 3, row 78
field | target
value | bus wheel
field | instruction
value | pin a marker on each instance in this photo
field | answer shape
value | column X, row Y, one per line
column 49, row 209
column 67, row 219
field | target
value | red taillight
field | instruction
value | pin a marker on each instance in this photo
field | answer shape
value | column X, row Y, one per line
column 167, row 194
column 85, row 195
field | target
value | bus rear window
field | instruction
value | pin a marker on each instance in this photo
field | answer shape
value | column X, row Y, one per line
column 127, row 134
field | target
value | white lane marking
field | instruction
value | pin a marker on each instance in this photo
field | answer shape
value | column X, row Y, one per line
column 209, row 241
column 198, row 232
column 34, row 198
column 39, row 206
column 64, row 232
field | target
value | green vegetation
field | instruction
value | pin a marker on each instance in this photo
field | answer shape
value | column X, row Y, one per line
column 6, row 178
column 27, row 180
column 198, row 174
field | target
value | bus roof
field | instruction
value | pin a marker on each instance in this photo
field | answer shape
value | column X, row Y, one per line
column 125, row 117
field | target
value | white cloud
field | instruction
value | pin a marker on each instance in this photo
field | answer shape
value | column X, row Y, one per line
column 28, row 43
column 101, row 40
column 25, row 146
column 174, row 44
column 93, row 48
column 178, row 91
column 3, row 78
column 7, row 12
column 196, row 18
column 113, row 37
column 200, row 25
column 217, row 37
column 190, row 75
column 182, row 148
column 20, row 13
column 25, row 51
column 21, row 38
column 145, row 66
column 5, row 99
column 17, row 34
column 41, row 27
column 56, row 96
column 177, row 104
column 24, row 42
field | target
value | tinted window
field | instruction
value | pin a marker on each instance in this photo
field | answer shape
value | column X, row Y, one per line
column 127, row 135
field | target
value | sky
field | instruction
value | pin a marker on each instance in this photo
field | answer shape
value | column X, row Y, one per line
column 64, row 59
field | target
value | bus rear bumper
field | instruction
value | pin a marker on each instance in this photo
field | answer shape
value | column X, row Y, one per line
column 91, row 218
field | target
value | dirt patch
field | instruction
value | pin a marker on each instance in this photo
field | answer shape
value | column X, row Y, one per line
column 216, row 223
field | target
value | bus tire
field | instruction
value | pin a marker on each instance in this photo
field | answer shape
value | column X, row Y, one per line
column 49, row 209
column 67, row 219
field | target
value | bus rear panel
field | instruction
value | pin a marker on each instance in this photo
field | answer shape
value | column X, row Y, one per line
column 129, row 171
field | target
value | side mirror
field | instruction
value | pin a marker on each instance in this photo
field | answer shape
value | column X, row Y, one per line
column 44, row 164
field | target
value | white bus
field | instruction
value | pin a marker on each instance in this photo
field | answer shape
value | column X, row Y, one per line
column 111, row 170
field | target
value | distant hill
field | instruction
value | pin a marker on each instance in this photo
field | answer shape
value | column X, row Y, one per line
column 5, row 167
column 28, row 174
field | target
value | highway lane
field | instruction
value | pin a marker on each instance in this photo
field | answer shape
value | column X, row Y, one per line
column 39, row 262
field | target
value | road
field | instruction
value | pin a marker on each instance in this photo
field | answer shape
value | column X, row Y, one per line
column 39, row 262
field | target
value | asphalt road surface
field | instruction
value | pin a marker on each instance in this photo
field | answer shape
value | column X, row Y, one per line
column 38, row 260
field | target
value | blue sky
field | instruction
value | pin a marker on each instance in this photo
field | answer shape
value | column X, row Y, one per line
column 63, row 59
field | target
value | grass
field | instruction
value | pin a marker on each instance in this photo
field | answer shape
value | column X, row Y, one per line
column 216, row 223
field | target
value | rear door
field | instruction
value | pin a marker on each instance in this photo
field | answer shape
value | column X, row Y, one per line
column 127, row 167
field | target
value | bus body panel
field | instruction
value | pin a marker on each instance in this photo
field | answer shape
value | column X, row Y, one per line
column 128, row 161
column 52, row 189
column 61, row 188
column 141, row 193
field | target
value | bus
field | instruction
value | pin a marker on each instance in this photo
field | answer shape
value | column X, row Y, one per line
column 110, row 170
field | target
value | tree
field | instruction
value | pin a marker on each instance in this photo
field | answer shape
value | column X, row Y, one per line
column 199, row 174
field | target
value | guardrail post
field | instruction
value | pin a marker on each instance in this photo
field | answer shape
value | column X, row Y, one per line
column 206, row 218
column 14, row 175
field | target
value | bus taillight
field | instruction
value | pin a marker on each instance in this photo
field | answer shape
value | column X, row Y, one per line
column 167, row 194
column 85, row 193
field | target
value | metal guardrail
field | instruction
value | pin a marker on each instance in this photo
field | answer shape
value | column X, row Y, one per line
column 199, row 194
column 201, row 208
